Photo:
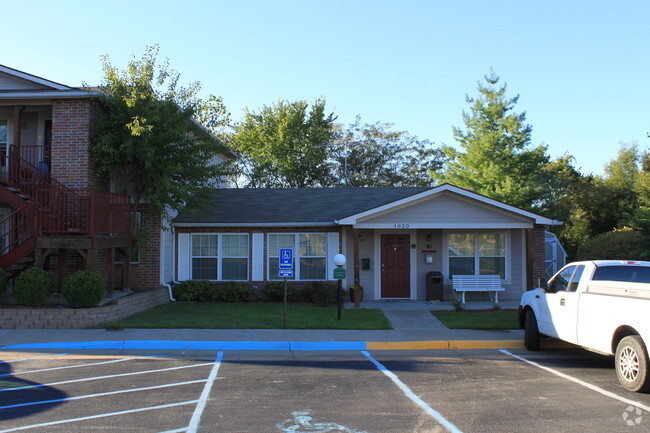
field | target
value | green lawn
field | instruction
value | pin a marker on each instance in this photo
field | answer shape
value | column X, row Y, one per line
column 502, row 319
column 251, row 315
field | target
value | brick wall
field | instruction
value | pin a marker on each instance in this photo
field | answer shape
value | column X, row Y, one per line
column 71, row 127
column 71, row 318
column 538, row 255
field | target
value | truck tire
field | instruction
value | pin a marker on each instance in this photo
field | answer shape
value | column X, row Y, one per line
column 632, row 364
column 531, row 332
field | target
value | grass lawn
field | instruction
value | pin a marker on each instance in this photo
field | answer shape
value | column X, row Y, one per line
column 502, row 319
column 251, row 315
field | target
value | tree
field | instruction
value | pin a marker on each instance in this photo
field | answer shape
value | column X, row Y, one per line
column 285, row 145
column 374, row 155
column 495, row 158
column 146, row 140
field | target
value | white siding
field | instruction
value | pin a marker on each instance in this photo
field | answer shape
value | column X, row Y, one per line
column 8, row 82
column 332, row 250
column 184, row 257
column 444, row 210
column 167, row 259
column 258, row 257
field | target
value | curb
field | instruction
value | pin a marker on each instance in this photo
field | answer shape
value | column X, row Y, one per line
column 284, row 345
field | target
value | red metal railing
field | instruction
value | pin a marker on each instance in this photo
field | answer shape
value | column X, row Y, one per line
column 53, row 209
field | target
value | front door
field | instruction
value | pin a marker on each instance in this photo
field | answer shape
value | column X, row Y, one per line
column 395, row 266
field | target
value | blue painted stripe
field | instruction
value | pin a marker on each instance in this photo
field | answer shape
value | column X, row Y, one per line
column 197, row 345
column 328, row 345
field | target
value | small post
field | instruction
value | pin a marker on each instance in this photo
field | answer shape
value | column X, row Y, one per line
column 339, row 274
column 284, row 317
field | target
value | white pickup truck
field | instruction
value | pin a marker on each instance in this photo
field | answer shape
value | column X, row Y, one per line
column 603, row 306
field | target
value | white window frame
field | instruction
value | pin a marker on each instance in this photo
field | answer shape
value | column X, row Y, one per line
column 220, row 256
column 296, row 255
column 477, row 256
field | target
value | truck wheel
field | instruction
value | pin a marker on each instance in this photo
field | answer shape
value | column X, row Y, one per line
column 632, row 364
column 531, row 332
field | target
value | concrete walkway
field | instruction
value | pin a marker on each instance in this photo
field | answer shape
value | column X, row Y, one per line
column 414, row 327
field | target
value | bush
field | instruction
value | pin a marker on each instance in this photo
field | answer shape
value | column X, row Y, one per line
column 32, row 287
column 195, row 291
column 3, row 283
column 275, row 292
column 84, row 289
column 52, row 282
column 320, row 293
column 234, row 291
column 614, row 245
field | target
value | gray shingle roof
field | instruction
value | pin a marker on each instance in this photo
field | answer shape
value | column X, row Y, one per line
column 286, row 205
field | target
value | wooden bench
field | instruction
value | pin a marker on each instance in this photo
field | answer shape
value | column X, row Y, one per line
column 477, row 283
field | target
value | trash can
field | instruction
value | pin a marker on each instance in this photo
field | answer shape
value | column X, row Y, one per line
column 434, row 286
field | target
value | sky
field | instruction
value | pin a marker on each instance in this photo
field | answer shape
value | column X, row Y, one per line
column 580, row 68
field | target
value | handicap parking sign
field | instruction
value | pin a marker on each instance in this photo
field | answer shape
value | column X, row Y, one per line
column 286, row 258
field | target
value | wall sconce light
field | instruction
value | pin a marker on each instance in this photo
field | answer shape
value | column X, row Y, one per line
column 428, row 238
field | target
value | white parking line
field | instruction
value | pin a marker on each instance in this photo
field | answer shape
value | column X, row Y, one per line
column 103, row 415
column 410, row 394
column 103, row 394
column 86, row 379
column 198, row 412
column 75, row 366
column 35, row 357
column 580, row 382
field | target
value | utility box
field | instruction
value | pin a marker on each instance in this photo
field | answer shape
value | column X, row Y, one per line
column 434, row 286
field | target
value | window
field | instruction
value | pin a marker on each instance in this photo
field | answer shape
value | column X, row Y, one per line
column 3, row 139
column 220, row 257
column 477, row 254
column 310, row 252
column 628, row 274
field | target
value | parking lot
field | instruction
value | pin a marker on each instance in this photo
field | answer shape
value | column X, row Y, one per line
column 244, row 391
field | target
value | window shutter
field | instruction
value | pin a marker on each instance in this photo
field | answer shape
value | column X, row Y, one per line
column 184, row 268
column 258, row 257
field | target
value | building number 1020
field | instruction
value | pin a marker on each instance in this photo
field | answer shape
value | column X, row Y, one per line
column 401, row 226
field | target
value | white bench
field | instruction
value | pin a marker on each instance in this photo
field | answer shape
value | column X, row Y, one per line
column 477, row 283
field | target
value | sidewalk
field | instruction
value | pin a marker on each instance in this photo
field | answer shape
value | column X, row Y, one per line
column 414, row 328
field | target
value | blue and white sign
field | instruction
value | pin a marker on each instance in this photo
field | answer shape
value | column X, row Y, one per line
column 285, row 273
column 286, row 258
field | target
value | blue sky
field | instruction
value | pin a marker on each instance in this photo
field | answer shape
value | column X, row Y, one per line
column 581, row 68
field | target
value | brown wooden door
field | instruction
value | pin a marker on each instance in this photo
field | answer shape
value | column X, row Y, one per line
column 395, row 266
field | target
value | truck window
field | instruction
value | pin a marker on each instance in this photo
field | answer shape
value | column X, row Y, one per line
column 561, row 280
column 575, row 279
column 628, row 274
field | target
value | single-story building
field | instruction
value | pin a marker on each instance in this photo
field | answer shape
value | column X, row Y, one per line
column 392, row 238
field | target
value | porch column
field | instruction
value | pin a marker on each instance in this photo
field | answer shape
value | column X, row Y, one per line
column 63, row 264
column 355, row 235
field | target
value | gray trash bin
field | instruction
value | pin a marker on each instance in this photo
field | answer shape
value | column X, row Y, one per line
column 434, row 286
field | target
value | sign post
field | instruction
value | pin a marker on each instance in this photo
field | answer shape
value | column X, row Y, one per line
column 339, row 274
column 285, row 271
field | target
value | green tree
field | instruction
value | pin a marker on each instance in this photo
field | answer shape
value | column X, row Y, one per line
column 495, row 157
column 285, row 145
column 146, row 140
column 375, row 155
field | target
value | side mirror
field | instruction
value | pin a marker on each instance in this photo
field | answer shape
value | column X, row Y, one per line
column 550, row 287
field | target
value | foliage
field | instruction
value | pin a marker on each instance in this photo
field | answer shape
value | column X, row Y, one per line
column 375, row 155
column 234, row 291
column 32, row 287
column 83, row 289
column 252, row 315
column 274, row 292
column 320, row 293
column 195, row 291
column 284, row 145
column 3, row 283
column 146, row 140
column 496, row 159
column 614, row 245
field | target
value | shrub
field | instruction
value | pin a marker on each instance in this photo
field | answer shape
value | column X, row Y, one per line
column 614, row 245
column 32, row 287
column 320, row 293
column 52, row 282
column 3, row 283
column 83, row 289
column 234, row 291
column 274, row 291
column 195, row 291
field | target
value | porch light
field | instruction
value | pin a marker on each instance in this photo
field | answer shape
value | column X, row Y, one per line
column 339, row 260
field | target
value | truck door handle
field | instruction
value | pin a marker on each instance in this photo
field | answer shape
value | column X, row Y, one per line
column 562, row 302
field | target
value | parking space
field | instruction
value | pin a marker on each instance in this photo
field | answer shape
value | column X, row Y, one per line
column 241, row 391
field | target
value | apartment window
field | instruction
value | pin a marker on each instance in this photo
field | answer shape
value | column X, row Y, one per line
column 477, row 254
column 220, row 257
column 310, row 254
